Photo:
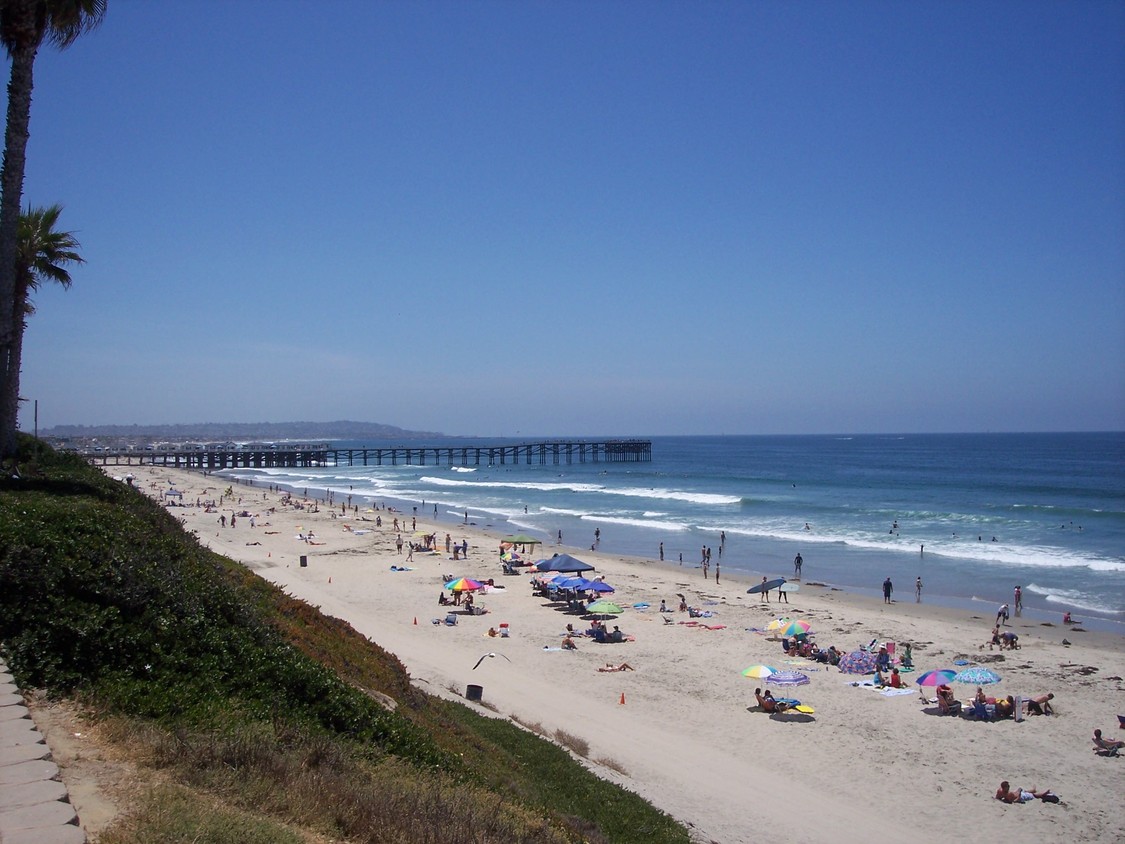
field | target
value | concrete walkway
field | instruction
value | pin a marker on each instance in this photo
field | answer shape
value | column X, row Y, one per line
column 34, row 807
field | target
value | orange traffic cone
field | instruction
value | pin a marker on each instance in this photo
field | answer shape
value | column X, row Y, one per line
column 622, row 702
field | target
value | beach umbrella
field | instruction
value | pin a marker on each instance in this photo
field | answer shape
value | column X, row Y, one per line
column 795, row 628
column 578, row 583
column 563, row 562
column 463, row 584
column 977, row 677
column 936, row 678
column 778, row 623
column 603, row 607
column 523, row 539
column 765, row 586
column 759, row 672
column 788, row 678
column 858, row 662
column 601, row 586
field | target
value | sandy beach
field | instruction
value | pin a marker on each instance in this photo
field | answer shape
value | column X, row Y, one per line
column 683, row 728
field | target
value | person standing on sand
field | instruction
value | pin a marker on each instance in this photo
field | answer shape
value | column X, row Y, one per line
column 918, row 590
column 662, row 552
column 717, row 568
column 765, row 595
column 797, row 563
column 1018, row 600
column 888, row 588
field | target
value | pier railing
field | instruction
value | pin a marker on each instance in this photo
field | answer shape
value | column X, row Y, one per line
column 554, row 452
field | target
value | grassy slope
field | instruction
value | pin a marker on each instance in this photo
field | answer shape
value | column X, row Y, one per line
column 255, row 705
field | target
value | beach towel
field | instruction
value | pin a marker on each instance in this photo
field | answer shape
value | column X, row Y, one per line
column 712, row 626
column 547, row 648
column 896, row 692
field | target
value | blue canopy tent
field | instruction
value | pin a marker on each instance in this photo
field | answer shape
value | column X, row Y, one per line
column 563, row 563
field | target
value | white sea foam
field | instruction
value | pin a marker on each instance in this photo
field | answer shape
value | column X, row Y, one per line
column 1073, row 598
column 532, row 486
column 651, row 524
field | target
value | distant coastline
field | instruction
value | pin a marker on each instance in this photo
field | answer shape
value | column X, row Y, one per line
column 234, row 431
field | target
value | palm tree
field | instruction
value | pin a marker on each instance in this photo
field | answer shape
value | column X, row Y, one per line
column 41, row 255
column 24, row 25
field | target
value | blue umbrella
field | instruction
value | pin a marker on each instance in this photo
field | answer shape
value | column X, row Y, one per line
column 977, row 677
column 578, row 583
column 601, row 586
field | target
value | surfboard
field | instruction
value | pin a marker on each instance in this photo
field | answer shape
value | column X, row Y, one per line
column 789, row 586
column 767, row 586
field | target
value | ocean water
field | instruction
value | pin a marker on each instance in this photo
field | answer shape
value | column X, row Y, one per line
column 973, row 515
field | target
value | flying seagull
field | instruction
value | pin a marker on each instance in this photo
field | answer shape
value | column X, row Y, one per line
column 486, row 656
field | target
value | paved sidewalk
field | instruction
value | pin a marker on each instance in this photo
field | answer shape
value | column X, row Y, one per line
column 34, row 807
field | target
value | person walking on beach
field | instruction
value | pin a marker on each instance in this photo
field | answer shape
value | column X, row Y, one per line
column 764, row 593
column 918, row 591
column 797, row 563
column 888, row 588
column 717, row 569
column 662, row 552
column 1018, row 602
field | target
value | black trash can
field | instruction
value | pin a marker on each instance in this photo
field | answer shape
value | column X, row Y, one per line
column 304, row 561
column 474, row 692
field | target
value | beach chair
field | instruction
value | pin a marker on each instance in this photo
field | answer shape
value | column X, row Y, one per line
column 952, row 707
column 450, row 620
column 890, row 646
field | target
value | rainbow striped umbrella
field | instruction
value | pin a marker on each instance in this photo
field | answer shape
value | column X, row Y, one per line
column 936, row 678
column 797, row 627
column 759, row 672
column 463, row 584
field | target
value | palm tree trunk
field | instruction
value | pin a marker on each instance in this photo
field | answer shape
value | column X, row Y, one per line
column 11, row 396
column 11, row 184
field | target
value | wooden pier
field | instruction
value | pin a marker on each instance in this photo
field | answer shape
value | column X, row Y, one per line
column 553, row 452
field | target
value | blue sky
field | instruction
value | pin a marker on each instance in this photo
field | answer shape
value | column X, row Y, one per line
column 580, row 218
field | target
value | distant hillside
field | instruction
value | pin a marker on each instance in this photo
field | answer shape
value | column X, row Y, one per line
column 244, row 431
